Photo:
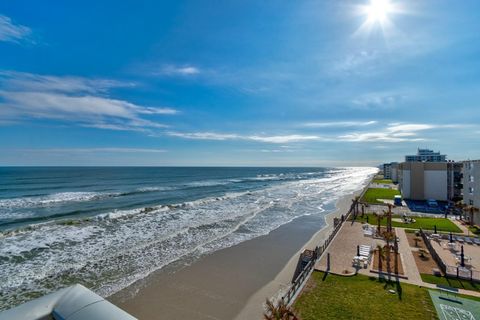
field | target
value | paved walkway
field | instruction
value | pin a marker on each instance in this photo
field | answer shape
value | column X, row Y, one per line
column 462, row 227
column 409, row 265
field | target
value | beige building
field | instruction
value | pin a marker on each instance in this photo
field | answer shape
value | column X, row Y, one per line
column 430, row 180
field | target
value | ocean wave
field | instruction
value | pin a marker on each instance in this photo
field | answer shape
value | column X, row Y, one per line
column 48, row 200
column 112, row 250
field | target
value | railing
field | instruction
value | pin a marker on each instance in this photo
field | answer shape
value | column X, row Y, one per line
column 450, row 271
column 434, row 253
column 304, row 274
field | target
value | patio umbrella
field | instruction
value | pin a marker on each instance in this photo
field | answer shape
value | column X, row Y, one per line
column 451, row 237
column 358, row 251
column 462, row 258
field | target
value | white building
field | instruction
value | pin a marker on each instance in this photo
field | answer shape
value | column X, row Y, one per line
column 471, row 186
column 426, row 155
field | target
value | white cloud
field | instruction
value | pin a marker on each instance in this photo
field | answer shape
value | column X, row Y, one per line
column 11, row 32
column 362, row 60
column 277, row 139
column 93, row 150
column 394, row 132
column 204, row 135
column 74, row 99
column 283, row 139
column 339, row 124
column 24, row 81
column 173, row 70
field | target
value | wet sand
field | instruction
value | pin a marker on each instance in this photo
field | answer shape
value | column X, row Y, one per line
column 231, row 283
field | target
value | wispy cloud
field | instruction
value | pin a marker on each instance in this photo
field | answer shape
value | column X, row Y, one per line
column 339, row 124
column 277, row 139
column 396, row 132
column 175, row 70
column 74, row 99
column 92, row 150
column 362, row 61
column 12, row 32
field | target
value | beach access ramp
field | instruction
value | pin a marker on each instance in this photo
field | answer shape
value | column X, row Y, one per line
column 72, row 303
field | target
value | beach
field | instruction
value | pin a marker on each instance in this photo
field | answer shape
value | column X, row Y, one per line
column 231, row 283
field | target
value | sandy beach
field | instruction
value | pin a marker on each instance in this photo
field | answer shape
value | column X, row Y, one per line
column 231, row 283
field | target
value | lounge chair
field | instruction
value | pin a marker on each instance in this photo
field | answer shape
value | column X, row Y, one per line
column 476, row 241
column 468, row 240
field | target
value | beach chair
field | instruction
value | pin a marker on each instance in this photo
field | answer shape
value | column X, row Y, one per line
column 476, row 241
column 468, row 240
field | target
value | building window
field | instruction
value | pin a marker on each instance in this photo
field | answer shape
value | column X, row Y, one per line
column 470, row 178
column 470, row 190
column 470, row 202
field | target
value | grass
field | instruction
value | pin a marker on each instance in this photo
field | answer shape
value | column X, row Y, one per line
column 474, row 229
column 425, row 223
column 362, row 297
column 454, row 283
column 382, row 181
column 373, row 194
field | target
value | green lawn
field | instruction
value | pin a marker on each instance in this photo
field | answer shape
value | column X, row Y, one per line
column 373, row 194
column 474, row 229
column 383, row 181
column 362, row 297
column 454, row 283
column 425, row 223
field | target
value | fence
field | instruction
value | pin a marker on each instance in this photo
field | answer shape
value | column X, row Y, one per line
column 450, row 271
column 318, row 252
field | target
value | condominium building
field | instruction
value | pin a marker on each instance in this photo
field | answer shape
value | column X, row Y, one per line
column 471, row 186
column 426, row 155
column 390, row 171
column 430, row 180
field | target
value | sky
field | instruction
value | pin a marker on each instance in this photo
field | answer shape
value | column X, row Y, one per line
column 237, row 83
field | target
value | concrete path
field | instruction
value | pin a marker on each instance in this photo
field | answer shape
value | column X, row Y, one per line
column 409, row 265
column 462, row 227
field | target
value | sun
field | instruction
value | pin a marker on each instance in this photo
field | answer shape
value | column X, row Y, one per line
column 378, row 15
column 378, row 10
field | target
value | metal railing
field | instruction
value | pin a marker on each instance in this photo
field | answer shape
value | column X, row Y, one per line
column 304, row 274
column 448, row 270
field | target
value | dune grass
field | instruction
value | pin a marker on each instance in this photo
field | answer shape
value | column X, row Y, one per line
column 373, row 194
column 361, row 297
column 424, row 223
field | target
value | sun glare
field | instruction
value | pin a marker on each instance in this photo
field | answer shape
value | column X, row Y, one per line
column 378, row 10
column 378, row 15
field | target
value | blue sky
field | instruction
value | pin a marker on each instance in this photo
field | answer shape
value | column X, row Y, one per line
column 270, row 83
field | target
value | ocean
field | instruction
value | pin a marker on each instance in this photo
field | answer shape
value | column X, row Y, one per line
column 107, row 227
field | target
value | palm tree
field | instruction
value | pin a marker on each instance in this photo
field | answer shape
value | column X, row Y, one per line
column 389, row 218
column 279, row 312
column 379, row 221
column 388, row 236
column 381, row 256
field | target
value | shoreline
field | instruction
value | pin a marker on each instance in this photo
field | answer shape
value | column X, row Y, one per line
column 283, row 279
column 230, row 283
